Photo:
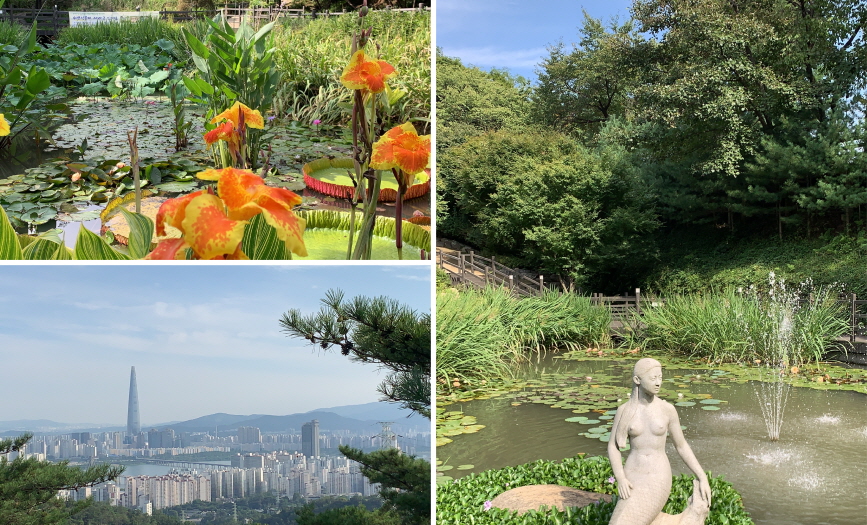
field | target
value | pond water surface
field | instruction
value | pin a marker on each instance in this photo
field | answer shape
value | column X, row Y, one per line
column 814, row 475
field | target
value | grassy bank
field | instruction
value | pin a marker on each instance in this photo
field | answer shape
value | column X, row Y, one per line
column 480, row 334
column 693, row 263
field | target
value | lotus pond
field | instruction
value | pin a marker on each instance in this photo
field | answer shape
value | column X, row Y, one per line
column 560, row 407
column 66, row 184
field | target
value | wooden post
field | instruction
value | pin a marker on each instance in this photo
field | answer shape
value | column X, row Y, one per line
column 638, row 301
column 511, row 282
column 541, row 284
column 854, row 320
column 461, row 265
column 472, row 259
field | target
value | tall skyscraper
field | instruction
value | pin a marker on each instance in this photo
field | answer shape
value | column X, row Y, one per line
column 133, row 423
column 310, row 438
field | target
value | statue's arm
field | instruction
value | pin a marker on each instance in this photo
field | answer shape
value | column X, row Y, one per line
column 624, row 487
column 686, row 453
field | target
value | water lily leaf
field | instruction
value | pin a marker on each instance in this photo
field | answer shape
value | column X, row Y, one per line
column 576, row 419
column 710, row 407
column 465, row 467
column 685, row 404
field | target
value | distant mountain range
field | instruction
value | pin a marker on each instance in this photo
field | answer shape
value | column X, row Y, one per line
column 355, row 418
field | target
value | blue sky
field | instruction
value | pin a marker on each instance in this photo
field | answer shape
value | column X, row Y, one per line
column 203, row 339
column 511, row 34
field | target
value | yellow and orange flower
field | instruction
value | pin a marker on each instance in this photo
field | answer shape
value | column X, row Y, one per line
column 252, row 117
column 401, row 147
column 214, row 226
column 225, row 131
column 371, row 75
column 245, row 195
column 206, row 229
column 4, row 126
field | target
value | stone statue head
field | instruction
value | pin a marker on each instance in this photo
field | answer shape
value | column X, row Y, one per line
column 640, row 379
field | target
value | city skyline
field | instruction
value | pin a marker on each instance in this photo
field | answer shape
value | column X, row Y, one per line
column 203, row 339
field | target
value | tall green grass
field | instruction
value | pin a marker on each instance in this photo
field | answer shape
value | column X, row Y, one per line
column 481, row 334
column 313, row 53
column 728, row 326
column 12, row 33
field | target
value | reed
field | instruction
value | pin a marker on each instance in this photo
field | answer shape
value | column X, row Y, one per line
column 12, row 34
column 727, row 326
column 143, row 33
column 313, row 53
column 482, row 334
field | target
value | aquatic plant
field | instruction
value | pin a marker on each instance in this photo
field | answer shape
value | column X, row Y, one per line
column 480, row 334
column 732, row 326
column 19, row 89
column 233, row 65
column 463, row 500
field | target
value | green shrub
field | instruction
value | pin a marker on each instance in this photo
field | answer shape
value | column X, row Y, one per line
column 462, row 501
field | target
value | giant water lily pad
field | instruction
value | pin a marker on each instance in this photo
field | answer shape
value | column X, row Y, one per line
column 331, row 177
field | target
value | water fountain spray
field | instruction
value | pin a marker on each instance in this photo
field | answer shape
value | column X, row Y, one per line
column 771, row 388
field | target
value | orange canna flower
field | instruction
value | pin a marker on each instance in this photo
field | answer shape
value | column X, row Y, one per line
column 245, row 195
column 214, row 226
column 201, row 217
column 252, row 117
column 371, row 75
column 402, row 148
column 207, row 229
column 225, row 131
column 4, row 126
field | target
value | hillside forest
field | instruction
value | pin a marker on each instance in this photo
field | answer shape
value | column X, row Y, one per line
column 698, row 144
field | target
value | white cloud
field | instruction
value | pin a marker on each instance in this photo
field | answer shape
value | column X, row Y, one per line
column 495, row 57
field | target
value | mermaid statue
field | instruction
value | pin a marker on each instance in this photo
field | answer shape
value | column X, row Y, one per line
column 644, row 483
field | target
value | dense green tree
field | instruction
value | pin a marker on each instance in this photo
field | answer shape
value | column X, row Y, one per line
column 471, row 102
column 552, row 204
column 582, row 88
column 726, row 83
column 405, row 481
column 345, row 516
column 29, row 487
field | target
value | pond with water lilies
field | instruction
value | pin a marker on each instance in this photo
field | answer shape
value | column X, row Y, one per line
column 63, row 185
column 558, row 408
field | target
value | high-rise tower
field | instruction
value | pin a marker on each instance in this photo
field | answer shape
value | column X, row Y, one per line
column 310, row 438
column 133, row 423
